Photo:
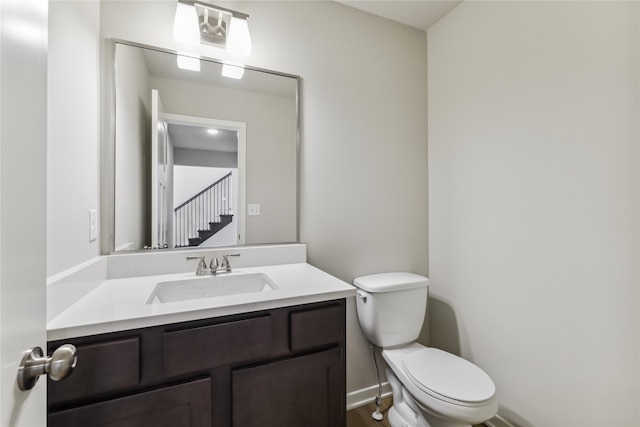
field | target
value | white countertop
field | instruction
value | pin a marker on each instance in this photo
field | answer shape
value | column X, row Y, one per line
column 120, row 304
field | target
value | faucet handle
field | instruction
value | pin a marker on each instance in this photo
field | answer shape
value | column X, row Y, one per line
column 202, row 265
column 225, row 262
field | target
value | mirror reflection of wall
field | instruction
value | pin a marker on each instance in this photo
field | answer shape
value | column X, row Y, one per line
column 150, row 145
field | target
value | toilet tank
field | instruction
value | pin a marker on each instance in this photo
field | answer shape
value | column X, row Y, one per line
column 391, row 307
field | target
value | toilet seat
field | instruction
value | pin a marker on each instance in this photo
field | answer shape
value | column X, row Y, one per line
column 434, row 401
column 448, row 377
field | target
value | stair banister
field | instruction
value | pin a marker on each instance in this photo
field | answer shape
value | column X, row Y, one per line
column 195, row 218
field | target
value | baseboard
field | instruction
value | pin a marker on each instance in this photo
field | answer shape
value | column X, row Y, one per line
column 364, row 396
column 498, row 421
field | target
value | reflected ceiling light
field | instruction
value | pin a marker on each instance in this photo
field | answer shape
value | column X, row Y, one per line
column 212, row 131
column 232, row 71
column 215, row 26
column 188, row 63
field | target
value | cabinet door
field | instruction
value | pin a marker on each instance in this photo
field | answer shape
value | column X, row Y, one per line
column 185, row 405
column 304, row 391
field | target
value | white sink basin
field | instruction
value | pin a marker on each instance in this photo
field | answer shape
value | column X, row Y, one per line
column 210, row 287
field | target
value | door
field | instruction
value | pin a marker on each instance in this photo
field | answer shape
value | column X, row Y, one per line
column 23, row 136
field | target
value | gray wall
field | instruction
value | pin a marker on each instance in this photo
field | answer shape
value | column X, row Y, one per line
column 205, row 158
column 73, row 134
column 534, row 204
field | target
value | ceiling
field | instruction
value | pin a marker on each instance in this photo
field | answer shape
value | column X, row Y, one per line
column 421, row 14
column 194, row 137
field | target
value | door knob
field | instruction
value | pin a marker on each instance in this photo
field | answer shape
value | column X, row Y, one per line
column 59, row 365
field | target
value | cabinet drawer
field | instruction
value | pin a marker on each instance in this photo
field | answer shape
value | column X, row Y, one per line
column 207, row 347
column 102, row 367
column 317, row 327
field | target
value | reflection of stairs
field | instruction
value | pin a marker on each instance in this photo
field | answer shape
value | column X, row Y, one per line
column 214, row 227
column 191, row 223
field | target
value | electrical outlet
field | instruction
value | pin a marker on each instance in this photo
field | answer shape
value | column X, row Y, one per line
column 93, row 225
column 254, row 209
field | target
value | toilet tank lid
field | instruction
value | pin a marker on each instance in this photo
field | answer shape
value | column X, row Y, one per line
column 386, row 282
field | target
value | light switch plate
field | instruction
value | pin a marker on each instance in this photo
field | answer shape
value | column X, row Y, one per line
column 254, row 209
column 93, row 225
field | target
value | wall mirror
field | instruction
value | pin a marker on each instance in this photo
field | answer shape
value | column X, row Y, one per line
column 201, row 159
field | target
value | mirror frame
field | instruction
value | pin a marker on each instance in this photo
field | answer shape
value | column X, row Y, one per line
column 108, row 145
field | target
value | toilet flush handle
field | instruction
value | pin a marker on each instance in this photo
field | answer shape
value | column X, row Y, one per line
column 362, row 296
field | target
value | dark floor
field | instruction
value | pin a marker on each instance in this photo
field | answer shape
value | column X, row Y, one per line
column 361, row 417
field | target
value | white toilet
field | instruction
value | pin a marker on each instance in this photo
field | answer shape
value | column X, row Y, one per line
column 431, row 388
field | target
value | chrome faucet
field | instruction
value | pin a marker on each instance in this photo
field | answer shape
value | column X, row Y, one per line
column 214, row 267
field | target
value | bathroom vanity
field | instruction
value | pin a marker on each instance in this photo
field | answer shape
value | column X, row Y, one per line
column 273, row 358
column 281, row 367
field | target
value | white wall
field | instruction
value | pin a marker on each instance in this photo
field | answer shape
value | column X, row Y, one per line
column 72, row 132
column 533, row 195
column 190, row 180
column 363, row 108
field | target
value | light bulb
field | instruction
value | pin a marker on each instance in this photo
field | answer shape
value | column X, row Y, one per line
column 238, row 38
column 185, row 25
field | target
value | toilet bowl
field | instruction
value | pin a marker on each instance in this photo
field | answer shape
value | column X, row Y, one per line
column 441, row 389
column 431, row 388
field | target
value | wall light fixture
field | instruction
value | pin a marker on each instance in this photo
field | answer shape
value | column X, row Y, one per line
column 214, row 25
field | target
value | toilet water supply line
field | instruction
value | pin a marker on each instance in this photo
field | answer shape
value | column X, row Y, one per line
column 376, row 415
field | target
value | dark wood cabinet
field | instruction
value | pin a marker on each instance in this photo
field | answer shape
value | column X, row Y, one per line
column 281, row 367
column 291, row 392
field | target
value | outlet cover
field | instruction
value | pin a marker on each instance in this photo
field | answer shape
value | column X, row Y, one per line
column 254, row 209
